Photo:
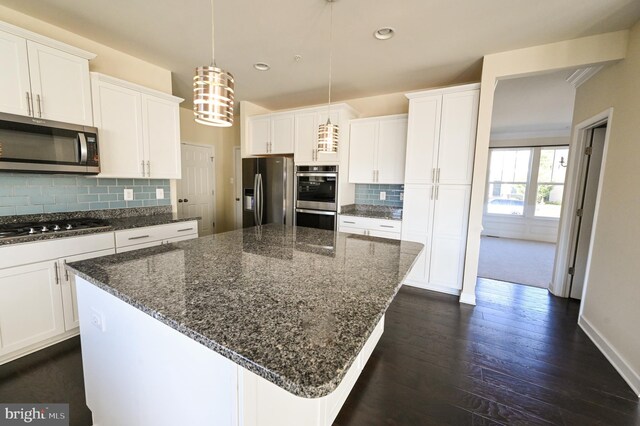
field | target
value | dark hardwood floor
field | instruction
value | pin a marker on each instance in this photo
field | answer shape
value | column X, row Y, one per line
column 518, row 357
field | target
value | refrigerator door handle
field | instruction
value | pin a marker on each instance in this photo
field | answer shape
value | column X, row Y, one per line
column 256, row 199
column 261, row 199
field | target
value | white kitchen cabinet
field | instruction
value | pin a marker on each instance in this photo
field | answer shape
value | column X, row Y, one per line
column 30, row 305
column 150, row 236
column 272, row 134
column 441, row 135
column 382, row 228
column 377, row 149
column 43, row 78
column 306, row 138
column 139, row 130
column 68, row 287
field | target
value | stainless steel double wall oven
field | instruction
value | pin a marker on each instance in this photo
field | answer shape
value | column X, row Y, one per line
column 317, row 196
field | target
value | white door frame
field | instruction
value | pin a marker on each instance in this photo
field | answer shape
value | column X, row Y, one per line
column 212, row 150
column 237, row 187
column 560, row 281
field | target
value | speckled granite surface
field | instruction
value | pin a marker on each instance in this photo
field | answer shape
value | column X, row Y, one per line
column 118, row 219
column 368, row 210
column 291, row 312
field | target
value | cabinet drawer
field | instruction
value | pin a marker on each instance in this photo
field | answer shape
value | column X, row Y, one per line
column 369, row 223
column 138, row 236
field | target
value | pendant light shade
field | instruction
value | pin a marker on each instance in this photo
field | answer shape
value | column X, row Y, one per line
column 328, row 132
column 213, row 92
column 328, row 137
column 213, row 96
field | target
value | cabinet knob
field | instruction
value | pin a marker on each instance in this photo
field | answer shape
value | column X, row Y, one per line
column 180, row 200
column 186, row 201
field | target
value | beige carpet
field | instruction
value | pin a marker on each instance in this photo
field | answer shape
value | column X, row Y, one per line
column 516, row 261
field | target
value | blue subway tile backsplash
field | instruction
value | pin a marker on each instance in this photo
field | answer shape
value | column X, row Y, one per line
column 22, row 193
column 370, row 194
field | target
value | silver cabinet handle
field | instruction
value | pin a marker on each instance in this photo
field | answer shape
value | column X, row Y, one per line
column 387, row 226
column 142, row 167
column 438, row 175
column 55, row 266
column 433, row 175
column 437, row 190
column 432, row 191
column 374, row 175
column 185, row 229
column 39, row 106
column 148, row 168
column 139, row 237
column 28, row 103
column 348, row 221
column 66, row 272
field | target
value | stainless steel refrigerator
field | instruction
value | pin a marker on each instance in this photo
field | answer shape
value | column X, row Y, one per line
column 267, row 191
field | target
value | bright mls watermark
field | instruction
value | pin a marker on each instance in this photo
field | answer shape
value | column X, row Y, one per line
column 34, row 414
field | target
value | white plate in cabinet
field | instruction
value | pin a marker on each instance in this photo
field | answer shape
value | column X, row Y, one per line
column 383, row 228
column 44, row 82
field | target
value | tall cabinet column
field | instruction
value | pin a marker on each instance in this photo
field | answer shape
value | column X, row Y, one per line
column 438, row 170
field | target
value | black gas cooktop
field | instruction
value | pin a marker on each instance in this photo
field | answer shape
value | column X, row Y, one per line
column 11, row 230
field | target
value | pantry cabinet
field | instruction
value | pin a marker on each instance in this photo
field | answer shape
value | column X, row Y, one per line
column 437, row 192
column 377, row 149
column 43, row 78
column 139, row 130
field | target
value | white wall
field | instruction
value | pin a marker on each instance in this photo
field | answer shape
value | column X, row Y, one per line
column 611, row 301
column 550, row 57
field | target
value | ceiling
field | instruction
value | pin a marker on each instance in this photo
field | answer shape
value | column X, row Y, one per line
column 437, row 43
column 537, row 105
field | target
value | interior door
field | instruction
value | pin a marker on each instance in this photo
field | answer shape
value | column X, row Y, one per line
column 30, row 305
column 587, row 202
column 60, row 85
column 14, row 75
column 196, row 188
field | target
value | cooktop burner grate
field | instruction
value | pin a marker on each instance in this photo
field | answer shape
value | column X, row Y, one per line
column 13, row 230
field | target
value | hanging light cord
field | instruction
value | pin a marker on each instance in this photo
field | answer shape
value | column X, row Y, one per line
column 213, row 45
column 330, row 55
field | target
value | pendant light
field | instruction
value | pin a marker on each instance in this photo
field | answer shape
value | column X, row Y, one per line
column 328, row 132
column 213, row 91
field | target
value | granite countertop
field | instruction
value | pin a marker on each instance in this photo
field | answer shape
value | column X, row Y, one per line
column 376, row 212
column 275, row 300
column 117, row 219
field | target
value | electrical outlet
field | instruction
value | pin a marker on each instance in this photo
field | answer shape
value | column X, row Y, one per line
column 159, row 193
column 128, row 194
column 383, row 195
column 97, row 319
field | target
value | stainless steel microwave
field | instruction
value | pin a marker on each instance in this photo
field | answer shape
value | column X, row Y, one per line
column 30, row 144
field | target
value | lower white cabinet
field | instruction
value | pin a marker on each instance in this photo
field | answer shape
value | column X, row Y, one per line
column 437, row 216
column 37, row 297
column 382, row 228
column 150, row 236
column 30, row 305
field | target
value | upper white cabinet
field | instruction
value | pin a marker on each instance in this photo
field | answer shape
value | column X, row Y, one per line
column 43, row 78
column 272, row 134
column 441, row 136
column 377, row 149
column 139, row 130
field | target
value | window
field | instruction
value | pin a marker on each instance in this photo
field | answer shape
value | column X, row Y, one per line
column 508, row 175
column 551, row 181
column 526, row 182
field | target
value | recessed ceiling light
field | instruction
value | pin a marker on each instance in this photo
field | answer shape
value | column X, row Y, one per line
column 384, row 33
column 261, row 66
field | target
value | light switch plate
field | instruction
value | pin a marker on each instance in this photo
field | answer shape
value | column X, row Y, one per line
column 128, row 194
column 159, row 193
column 383, row 195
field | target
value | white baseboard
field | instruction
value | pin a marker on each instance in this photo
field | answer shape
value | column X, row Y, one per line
column 426, row 286
column 38, row 346
column 468, row 298
column 626, row 371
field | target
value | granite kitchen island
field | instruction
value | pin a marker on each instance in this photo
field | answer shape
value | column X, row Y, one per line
column 258, row 326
